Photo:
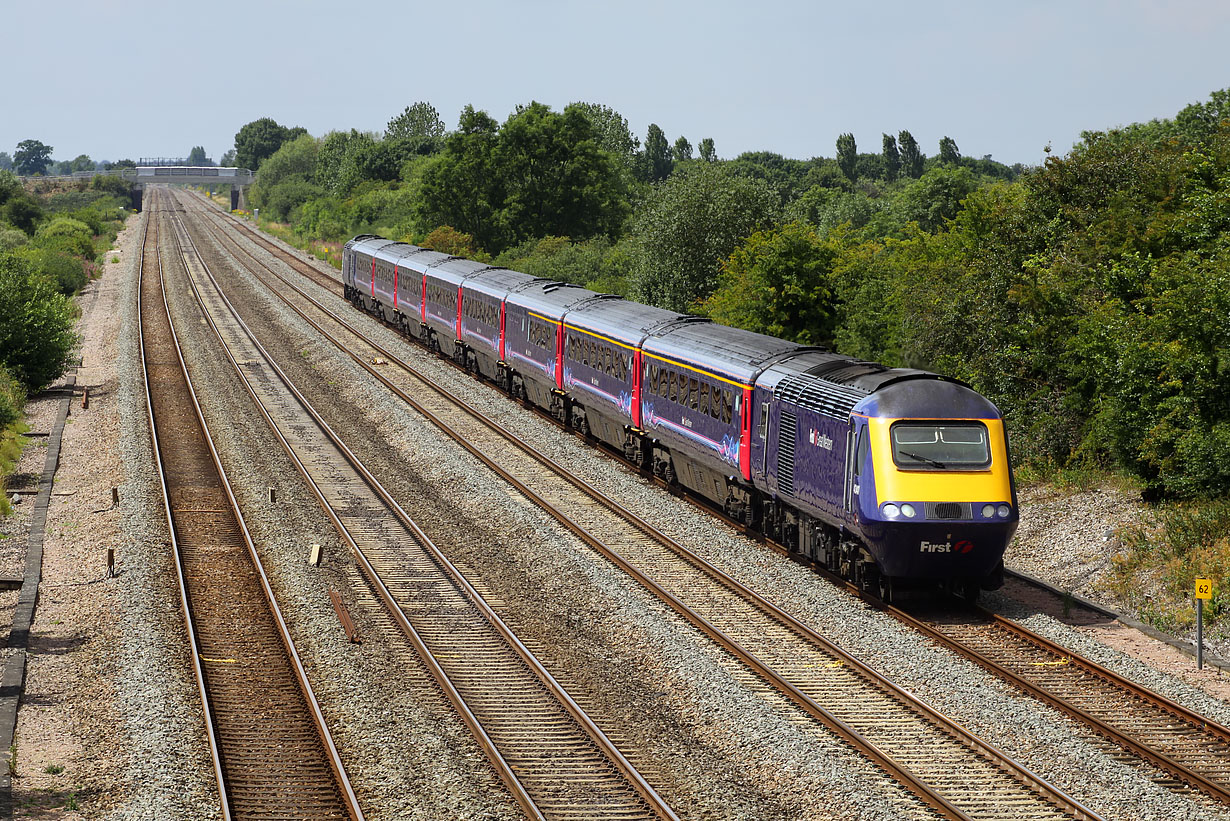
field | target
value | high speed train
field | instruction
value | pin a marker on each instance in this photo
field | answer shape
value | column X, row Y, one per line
column 891, row 477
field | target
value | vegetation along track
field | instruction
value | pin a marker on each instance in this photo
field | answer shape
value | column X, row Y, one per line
column 947, row 767
column 554, row 759
column 1188, row 746
column 273, row 755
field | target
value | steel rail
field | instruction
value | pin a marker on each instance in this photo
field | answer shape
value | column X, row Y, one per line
column 792, row 692
column 643, row 788
column 331, row 754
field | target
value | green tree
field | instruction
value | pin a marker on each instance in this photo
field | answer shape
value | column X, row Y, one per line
column 847, row 156
column 689, row 224
column 228, row 159
column 22, row 212
column 936, row 197
column 557, row 181
column 197, row 157
column 611, row 131
column 707, row 152
column 420, row 120
column 36, row 325
column 6, row 162
column 32, row 157
column 949, row 154
column 911, row 156
column 82, row 163
column 892, row 158
column 656, row 162
column 256, row 141
column 682, row 150
column 780, row 282
column 461, row 186
column 286, row 179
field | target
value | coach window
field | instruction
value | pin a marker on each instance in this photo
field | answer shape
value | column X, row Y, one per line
column 704, row 398
column 693, row 393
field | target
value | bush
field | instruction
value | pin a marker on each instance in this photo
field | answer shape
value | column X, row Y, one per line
column 36, row 325
column 66, row 234
column 11, row 238
column 64, row 270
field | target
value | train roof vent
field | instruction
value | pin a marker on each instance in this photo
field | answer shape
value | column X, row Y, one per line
column 824, row 397
column 845, row 371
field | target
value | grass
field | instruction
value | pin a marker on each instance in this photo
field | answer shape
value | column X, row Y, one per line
column 53, row 769
column 12, row 443
column 1161, row 559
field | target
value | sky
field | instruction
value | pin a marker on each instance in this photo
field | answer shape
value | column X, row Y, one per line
column 129, row 79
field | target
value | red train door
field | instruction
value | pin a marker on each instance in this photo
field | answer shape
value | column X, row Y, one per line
column 636, row 388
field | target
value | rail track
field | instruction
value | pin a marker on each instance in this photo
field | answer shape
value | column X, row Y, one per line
column 1188, row 746
column 554, row 760
column 948, row 768
column 272, row 752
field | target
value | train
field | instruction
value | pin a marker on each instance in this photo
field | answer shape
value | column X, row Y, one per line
column 893, row 478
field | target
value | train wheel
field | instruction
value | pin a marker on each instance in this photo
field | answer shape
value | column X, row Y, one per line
column 886, row 589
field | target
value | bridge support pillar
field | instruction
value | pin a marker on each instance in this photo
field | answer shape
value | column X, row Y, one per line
column 234, row 197
column 136, row 197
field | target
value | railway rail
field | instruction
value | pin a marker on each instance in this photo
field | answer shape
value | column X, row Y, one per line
column 948, row 768
column 272, row 751
column 554, row 760
column 1190, row 747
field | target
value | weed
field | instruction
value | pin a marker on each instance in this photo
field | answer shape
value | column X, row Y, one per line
column 13, row 759
column 71, row 802
column 53, row 769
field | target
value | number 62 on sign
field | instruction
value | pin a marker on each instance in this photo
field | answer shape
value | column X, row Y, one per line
column 1204, row 588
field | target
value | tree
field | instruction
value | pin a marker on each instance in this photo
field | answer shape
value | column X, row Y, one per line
column 82, row 163
column 32, row 157
column 197, row 157
column 418, row 120
column 780, row 282
column 911, row 157
column 6, row 162
column 611, row 131
column 557, row 181
column 689, row 224
column 707, row 151
column 22, row 212
column 123, row 164
column 228, row 159
column 892, row 158
column 256, row 141
column 949, row 154
column 460, row 186
column 656, row 162
column 36, row 325
column 847, row 156
column 682, row 150
column 285, row 181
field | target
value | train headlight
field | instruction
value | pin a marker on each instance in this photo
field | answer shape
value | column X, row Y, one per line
column 892, row 511
column 988, row 511
column 908, row 511
column 1003, row 511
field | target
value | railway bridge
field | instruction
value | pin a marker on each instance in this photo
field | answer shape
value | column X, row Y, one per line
column 238, row 178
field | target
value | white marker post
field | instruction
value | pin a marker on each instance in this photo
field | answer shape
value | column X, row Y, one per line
column 1204, row 590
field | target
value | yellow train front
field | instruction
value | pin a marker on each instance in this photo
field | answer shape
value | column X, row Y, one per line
column 892, row 477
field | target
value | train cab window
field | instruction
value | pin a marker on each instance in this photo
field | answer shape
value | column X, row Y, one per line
column 930, row 446
column 861, row 457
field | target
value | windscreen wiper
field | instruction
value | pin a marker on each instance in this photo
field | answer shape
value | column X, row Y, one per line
column 931, row 462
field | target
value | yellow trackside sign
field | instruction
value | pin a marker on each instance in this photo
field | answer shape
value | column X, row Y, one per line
column 1204, row 588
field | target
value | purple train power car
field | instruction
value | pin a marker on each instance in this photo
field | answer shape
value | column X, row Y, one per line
column 887, row 476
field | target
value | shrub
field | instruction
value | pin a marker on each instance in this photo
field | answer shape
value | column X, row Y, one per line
column 36, row 325
column 66, row 234
column 11, row 238
column 64, row 270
